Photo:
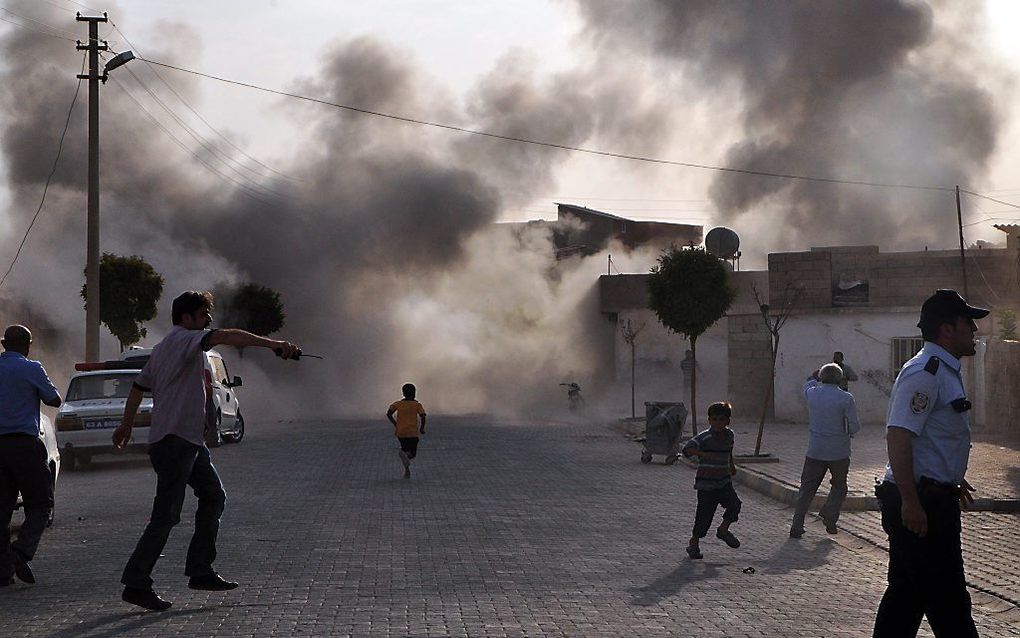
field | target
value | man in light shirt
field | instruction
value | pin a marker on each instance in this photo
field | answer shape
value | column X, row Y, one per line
column 833, row 416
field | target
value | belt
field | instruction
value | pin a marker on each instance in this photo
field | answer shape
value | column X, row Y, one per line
column 938, row 487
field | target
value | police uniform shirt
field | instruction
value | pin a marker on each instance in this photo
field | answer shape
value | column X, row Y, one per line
column 928, row 399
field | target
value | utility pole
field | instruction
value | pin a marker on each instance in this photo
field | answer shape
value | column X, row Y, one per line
column 963, row 258
column 92, row 300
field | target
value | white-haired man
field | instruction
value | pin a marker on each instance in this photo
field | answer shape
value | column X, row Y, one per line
column 833, row 416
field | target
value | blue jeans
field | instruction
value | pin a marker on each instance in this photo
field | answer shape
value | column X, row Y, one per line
column 179, row 464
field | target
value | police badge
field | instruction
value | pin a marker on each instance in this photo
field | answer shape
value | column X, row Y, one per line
column 919, row 403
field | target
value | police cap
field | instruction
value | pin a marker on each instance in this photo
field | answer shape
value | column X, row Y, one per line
column 945, row 305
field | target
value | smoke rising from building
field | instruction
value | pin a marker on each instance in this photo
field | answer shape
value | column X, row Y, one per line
column 878, row 90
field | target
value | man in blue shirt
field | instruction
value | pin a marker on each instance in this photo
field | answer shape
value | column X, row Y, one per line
column 23, row 466
column 928, row 437
column 833, row 415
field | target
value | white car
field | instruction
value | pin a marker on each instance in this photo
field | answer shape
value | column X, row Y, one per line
column 224, row 422
column 49, row 438
column 94, row 406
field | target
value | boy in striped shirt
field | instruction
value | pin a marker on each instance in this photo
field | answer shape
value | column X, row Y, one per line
column 714, row 449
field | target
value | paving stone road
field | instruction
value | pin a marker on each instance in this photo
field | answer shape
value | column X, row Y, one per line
column 505, row 529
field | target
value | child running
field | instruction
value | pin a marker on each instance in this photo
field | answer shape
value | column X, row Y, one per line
column 714, row 449
column 406, row 425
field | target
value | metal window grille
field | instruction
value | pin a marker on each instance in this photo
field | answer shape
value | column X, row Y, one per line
column 903, row 349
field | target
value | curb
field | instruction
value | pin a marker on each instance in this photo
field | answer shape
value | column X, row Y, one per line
column 786, row 493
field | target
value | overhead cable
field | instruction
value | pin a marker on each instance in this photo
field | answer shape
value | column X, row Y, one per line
column 566, row 147
column 53, row 171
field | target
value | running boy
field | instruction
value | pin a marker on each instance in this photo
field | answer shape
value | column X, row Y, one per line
column 406, row 425
column 714, row 449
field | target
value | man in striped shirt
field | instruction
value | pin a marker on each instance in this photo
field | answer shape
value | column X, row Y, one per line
column 714, row 449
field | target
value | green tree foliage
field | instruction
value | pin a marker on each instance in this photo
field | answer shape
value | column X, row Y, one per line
column 129, row 291
column 689, row 290
column 251, row 307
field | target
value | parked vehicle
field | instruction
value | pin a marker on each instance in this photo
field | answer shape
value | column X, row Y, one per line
column 49, row 438
column 94, row 406
column 224, row 422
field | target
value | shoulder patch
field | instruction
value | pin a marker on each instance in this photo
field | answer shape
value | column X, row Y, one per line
column 932, row 366
column 919, row 403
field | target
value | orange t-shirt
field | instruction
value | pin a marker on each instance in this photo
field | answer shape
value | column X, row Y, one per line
column 407, row 416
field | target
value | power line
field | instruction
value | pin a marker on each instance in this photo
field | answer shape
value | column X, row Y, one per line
column 53, row 171
column 195, row 112
column 566, row 147
column 33, row 30
column 215, row 152
column 39, row 22
column 991, row 199
column 244, row 188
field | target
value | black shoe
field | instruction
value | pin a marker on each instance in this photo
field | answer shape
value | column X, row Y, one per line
column 212, row 582
column 694, row 552
column 830, row 527
column 5, row 582
column 145, row 598
column 797, row 533
column 22, row 570
column 728, row 538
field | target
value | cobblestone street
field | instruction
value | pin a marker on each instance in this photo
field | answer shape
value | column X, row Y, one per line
column 505, row 529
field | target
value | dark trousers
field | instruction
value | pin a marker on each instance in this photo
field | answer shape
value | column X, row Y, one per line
column 409, row 444
column 23, row 468
column 179, row 464
column 810, row 478
column 925, row 574
column 709, row 501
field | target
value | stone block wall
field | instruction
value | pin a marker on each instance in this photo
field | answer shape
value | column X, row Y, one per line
column 749, row 360
column 811, row 271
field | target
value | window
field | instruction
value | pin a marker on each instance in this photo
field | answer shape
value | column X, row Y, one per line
column 903, row 350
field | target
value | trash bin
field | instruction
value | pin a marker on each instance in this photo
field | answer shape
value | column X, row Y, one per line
column 664, row 423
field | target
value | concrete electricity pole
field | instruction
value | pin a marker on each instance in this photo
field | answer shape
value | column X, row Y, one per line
column 92, row 300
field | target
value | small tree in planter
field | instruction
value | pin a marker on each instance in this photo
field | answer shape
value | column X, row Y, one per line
column 630, row 334
column 774, row 323
column 689, row 290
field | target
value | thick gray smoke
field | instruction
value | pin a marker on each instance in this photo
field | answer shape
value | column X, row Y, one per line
column 383, row 245
column 873, row 90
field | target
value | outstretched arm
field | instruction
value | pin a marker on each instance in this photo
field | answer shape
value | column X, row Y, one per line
column 245, row 339
column 389, row 415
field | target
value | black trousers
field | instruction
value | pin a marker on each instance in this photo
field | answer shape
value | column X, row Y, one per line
column 409, row 444
column 178, row 465
column 23, row 468
column 709, row 501
column 925, row 574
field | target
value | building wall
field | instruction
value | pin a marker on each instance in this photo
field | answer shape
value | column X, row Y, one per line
column 1001, row 401
column 865, row 338
column 658, row 354
column 749, row 360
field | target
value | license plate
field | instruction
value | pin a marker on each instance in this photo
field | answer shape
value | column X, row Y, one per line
column 101, row 424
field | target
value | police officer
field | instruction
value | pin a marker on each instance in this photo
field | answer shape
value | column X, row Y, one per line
column 23, row 466
column 928, row 437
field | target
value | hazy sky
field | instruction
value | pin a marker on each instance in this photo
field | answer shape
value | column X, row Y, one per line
column 280, row 43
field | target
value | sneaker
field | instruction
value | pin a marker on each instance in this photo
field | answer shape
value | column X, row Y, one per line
column 145, row 598
column 796, row 533
column 728, row 538
column 212, row 582
column 22, row 569
column 694, row 552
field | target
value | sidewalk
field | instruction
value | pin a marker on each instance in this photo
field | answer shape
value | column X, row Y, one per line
column 994, row 468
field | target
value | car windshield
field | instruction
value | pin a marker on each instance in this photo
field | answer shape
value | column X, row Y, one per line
column 101, row 386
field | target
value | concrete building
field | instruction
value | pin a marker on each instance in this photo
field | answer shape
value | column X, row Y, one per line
column 853, row 299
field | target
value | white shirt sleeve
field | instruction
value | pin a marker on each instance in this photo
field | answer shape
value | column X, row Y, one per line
column 913, row 401
column 853, row 423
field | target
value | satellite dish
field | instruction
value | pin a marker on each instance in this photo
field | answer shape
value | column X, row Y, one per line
column 722, row 242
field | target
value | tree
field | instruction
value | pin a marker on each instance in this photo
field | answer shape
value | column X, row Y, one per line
column 129, row 290
column 1007, row 323
column 251, row 307
column 689, row 290
column 630, row 335
column 774, row 323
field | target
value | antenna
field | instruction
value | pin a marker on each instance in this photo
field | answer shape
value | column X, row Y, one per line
column 724, row 243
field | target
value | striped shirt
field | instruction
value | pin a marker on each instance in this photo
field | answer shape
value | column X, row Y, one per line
column 714, row 462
